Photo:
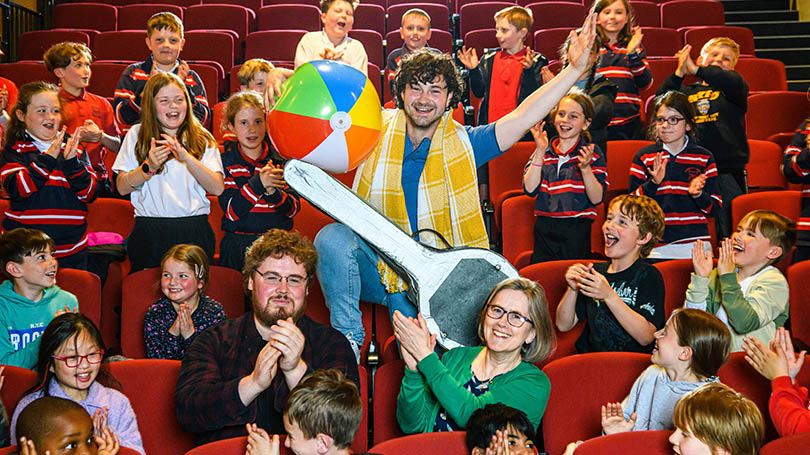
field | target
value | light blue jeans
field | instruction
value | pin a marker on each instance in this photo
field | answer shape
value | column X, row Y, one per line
column 347, row 271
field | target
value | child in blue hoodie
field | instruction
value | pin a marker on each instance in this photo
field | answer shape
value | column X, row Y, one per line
column 688, row 352
column 30, row 298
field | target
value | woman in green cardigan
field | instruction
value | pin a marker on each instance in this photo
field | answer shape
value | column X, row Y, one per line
column 440, row 395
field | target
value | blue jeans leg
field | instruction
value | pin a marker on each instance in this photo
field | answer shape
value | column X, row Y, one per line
column 347, row 271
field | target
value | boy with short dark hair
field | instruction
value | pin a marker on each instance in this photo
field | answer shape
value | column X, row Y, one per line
column 745, row 291
column 715, row 419
column 164, row 38
column 321, row 417
column 415, row 32
column 721, row 101
column 30, row 298
column 70, row 62
column 50, row 424
column 497, row 425
column 621, row 301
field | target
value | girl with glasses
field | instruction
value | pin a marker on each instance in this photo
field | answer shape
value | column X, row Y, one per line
column 679, row 174
column 69, row 366
column 515, row 332
column 172, row 323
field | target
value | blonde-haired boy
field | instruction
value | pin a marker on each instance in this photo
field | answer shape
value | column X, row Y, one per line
column 415, row 32
column 253, row 75
column 164, row 38
column 91, row 115
column 720, row 100
column 714, row 419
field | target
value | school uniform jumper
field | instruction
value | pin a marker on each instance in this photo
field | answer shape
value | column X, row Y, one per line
column 631, row 74
column 564, row 212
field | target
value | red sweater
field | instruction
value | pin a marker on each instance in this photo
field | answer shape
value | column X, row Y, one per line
column 789, row 407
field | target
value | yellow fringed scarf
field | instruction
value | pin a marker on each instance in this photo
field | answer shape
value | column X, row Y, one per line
column 448, row 188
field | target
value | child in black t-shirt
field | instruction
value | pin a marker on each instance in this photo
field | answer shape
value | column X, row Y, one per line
column 621, row 301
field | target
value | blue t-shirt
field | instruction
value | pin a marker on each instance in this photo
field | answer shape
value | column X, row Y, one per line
column 485, row 148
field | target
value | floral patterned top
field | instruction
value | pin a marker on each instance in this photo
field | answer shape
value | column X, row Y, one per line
column 160, row 344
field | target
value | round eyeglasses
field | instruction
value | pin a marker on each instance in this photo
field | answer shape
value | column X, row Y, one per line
column 514, row 318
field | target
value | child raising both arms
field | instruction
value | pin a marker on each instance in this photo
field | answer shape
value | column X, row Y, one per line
column 69, row 367
column 569, row 178
column 255, row 199
column 688, row 352
column 745, row 291
column 49, row 182
column 621, row 301
column 679, row 174
column 167, row 163
column 172, row 323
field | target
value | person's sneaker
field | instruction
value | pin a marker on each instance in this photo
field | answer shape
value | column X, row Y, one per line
column 355, row 348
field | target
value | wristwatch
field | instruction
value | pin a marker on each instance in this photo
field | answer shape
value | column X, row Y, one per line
column 147, row 170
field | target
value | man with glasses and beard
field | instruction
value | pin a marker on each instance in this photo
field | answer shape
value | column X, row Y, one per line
column 242, row 370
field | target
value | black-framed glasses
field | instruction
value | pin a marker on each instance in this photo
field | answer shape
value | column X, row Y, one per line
column 274, row 279
column 72, row 361
column 514, row 318
column 671, row 120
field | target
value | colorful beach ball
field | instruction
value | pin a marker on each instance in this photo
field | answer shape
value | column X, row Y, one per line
column 328, row 115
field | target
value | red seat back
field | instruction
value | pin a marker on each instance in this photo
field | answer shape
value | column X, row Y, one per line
column 32, row 45
column 646, row 442
column 762, row 75
column 614, row 372
column 661, row 42
column 791, row 445
column 764, row 166
column 444, row 443
column 149, row 384
column 684, row 13
column 368, row 16
column 141, row 289
column 86, row 287
column 105, row 79
column 273, row 44
column 219, row 16
column 676, row 273
column 775, row 112
column 127, row 45
column 387, row 381
column 372, row 41
column 94, row 16
column 303, row 17
column 697, row 36
column 233, row 446
column 134, row 17
column 556, row 15
column 619, row 158
column 17, row 381
column 209, row 45
column 506, row 176
column 549, row 41
column 647, row 14
column 22, row 73
column 798, row 276
column 786, row 203
column 518, row 229
column 479, row 15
